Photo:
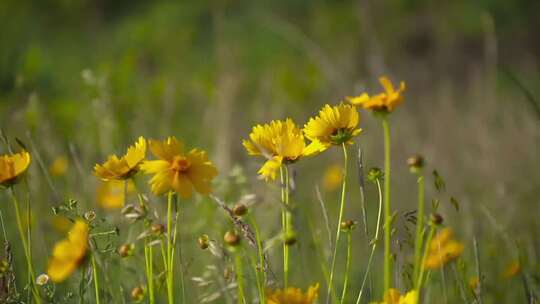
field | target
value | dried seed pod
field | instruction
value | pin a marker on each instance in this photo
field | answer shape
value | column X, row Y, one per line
column 348, row 225
column 157, row 229
column 436, row 219
column 415, row 163
column 240, row 209
column 231, row 238
column 125, row 250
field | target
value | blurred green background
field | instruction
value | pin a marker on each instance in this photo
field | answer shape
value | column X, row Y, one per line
column 85, row 78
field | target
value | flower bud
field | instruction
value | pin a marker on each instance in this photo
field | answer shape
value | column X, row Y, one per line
column 231, row 238
column 239, row 209
column 137, row 294
column 125, row 250
column 203, row 241
column 157, row 229
column 348, row 225
column 436, row 219
column 374, row 174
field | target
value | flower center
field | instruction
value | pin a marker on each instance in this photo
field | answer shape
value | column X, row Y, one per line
column 180, row 164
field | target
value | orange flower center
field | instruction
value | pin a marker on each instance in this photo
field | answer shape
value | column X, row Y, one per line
column 180, row 164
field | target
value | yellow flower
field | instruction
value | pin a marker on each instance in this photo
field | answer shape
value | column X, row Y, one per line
column 293, row 295
column 178, row 171
column 124, row 167
column 59, row 166
column 110, row 194
column 392, row 296
column 383, row 102
column 333, row 177
column 12, row 166
column 60, row 223
column 280, row 142
column 443, row 249
column 512, row 270
column 334, row 125
column 69, row 253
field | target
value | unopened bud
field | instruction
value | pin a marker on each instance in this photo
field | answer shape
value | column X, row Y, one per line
column 436, row 218
column 203, row 241
column 157, row 229
column 125, row 250
column 239, row 209
column 415, row 163
column 137, row 294
column 231, row 238
column 374, row 174
column 348, row 225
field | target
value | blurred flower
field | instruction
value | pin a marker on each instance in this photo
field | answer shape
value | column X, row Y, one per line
column 333, row 177
column 443, row 249
column 12, row 166
column 69, row 253
column 293, row 295
column 178, row 171
column 59, row 166
column 511, row 270
column 392, row 296
column 383, row 102
column 60, row 223
column 110, row 194
column 334, row 125
column 122, row 168
column 280, row 142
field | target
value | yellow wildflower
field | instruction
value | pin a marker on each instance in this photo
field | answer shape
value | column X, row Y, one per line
column 110, row 194
column 333, row 177
column 60, row 223
column 334, row 125
column 12, row 166
column 511, row 270
column 178, row 171
column 125, row 166
column 281, row 142
column 59, row 166
column 393, row 296
column 443, row 249
column 383, row 102
column 293, row 295
column 69, row 253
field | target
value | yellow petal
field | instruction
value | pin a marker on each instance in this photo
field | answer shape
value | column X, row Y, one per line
column 270, row 168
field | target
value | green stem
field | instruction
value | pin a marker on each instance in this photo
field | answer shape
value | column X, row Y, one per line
column 374, row 245
column 170, row 291
column 259, row 271
column 418, row 241
column 419, row 282
column 340, row 218
column 240, row 278
column 387, row 208
column 27, row 254
column 96, row 281
column 148, row 255
column 285, row 220
column 347, row 266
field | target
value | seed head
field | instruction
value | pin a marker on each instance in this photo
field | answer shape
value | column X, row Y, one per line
column 436, row 219
column 231, row 238
column 415, row 163
column 137, row 294
column 203, row 241
column 348, row 225
column 126, row 250
column 157, row 229
column 240, row 209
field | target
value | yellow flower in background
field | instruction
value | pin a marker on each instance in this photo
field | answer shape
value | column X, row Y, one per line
column 511, row 270
column 393, row 296
column 69, row 253
column 334, row 125
column 178, row 171
column 293, row 295
column 12, row 166
column 110, row 194
column 443, row 249
column 59, row 166
column 60, row 223
column 280, row 142
column 333, row 177
column 125, row 166
column 383, row 102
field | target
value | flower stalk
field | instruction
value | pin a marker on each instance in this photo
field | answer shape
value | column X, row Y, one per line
column 387, row 207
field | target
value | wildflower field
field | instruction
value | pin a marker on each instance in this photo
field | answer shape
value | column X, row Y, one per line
column 277, row 152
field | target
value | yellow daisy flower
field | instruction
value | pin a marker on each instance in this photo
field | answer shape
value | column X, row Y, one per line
column 383, row 102
column 292, row 295
column 59, row 166
column 334, row 125
column 443, row 249
column 281, row 142
column 69, row 253
column 12, row 166
column 178, row 171
column 392, row 296
column 110, row 194
column 125, row 166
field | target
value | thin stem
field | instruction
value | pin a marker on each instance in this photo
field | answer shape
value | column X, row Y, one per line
column 96, row 281
column 259, row 271
column 148, row 255
column 240, row 278
column 418, row 241
column 419, row 282
column 27, row 255
column 478, row 269
column 374, row 245
column 340, row 218
column 284, row 223
column 170, row 291
column 347, row 266
column 387, row 207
